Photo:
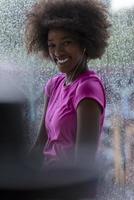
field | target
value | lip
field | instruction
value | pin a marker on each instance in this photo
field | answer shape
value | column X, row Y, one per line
column 61, row 61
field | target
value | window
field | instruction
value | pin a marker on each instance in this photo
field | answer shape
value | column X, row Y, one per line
column 116, row 69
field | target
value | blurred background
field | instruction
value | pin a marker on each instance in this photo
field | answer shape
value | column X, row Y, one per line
column 116, row 69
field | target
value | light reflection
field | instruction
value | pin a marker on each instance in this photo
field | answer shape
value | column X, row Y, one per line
column 120, row 4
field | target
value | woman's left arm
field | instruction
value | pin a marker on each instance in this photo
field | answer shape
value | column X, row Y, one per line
column 88, row 130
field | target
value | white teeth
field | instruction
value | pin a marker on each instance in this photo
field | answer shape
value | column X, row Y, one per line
column 62, row 61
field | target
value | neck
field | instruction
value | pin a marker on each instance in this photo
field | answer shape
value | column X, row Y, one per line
column 72, row 76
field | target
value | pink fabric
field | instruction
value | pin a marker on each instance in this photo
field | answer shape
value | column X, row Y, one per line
column 61, row 118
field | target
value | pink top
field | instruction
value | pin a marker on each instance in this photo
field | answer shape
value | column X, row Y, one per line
column 61, row 116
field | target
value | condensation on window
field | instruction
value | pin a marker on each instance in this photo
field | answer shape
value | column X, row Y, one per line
column 116, row 69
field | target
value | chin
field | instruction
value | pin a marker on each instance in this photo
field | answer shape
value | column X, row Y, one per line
column 65, row 69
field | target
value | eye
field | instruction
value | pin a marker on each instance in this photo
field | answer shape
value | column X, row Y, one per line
column 68, row 42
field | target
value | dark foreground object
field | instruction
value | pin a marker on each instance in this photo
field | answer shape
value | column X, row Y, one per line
column 77, row 191
column 59, row 183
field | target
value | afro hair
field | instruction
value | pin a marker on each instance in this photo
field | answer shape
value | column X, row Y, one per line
column 87, row 20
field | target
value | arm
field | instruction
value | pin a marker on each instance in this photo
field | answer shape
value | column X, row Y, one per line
column 42, row 135
column 88, row 115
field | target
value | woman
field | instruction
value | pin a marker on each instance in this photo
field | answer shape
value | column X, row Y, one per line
column 70, row 33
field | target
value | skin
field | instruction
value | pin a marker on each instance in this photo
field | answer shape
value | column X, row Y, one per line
column 88, row 115
column 42, row 134
column 61, row 45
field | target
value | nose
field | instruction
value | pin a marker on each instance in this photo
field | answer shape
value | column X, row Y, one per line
column 59, row 50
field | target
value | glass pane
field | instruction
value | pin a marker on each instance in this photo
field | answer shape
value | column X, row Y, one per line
column 116, row 68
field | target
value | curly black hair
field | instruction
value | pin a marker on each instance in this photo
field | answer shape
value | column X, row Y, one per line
column 87, row 20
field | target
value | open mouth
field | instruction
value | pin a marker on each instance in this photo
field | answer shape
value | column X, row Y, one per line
column 63, row 61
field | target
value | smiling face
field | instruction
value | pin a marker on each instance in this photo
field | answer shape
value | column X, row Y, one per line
column 64, row 50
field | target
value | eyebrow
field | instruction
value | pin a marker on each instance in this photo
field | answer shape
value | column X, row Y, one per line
column 66, row 37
